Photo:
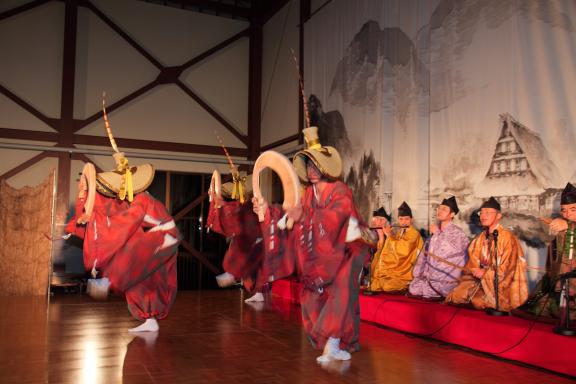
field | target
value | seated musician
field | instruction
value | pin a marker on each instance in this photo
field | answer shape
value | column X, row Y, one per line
column 495, row 249
column 544, row 302
column 392, row 269
column 440, row 263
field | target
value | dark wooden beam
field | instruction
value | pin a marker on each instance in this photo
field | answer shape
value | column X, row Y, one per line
column 264, row 13
column 124, row 35
column 219, row 8
column 26, row 164
column 21, row 134
column 255, row 90
column 84, row 158
column 305, row 7
column 63, row 186
column 26, row 106
column 110, row 108
column 167, row 75
column 305, row 11
column 197, row 201
column 171, row 74
column 280, row 142
column 215, row 48
column 186, row 245
column 66, row 128
column 326, row 2
column 67, row 122
column 23, row 8
column 212, row 112
column 165, row 146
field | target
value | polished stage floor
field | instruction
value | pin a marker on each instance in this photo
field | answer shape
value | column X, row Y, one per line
column 212, row 337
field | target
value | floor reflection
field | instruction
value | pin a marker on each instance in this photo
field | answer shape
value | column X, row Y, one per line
column 23, row 335
column 213, row 337
column 87, row 340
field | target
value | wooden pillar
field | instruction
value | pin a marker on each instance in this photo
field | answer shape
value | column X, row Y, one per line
column 168, row 192
column 304, row 16
column 66, row 128
column 254, row 90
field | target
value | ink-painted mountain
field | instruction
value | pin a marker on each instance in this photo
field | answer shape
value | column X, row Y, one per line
column 331, row 126
column 458, row 21
column 364, row 181
column 377, row 64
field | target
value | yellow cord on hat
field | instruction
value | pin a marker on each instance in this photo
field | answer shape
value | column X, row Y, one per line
column 127, row 186
column 238, row 187
column 313, row 144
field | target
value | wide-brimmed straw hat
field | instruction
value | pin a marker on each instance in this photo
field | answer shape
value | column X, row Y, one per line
column 231, row 189
column 126, row 180
column 326, row 159
column 113, row 183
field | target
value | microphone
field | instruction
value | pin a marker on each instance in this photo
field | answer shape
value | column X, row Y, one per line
column 496, row 311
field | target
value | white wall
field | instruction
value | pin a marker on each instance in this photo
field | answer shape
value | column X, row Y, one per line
column 31, row 67
column 280, row 98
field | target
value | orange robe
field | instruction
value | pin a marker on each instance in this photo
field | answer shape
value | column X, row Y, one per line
column 393, row 263
column 512, row 284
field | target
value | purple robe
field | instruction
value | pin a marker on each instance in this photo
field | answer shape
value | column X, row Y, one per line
column 432, row 277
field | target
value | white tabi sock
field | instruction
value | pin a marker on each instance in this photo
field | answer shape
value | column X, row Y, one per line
column 225, row 279
column 332, row 351
column 150, row 325
column 257, row 297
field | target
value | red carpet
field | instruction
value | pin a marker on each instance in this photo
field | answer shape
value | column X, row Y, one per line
column 507, row 337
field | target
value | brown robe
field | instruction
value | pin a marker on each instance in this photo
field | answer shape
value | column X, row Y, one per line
column 512, row 285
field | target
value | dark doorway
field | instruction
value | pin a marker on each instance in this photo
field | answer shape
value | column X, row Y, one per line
column 184, row 195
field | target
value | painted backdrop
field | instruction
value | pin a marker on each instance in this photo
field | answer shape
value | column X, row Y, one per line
column 430, row 98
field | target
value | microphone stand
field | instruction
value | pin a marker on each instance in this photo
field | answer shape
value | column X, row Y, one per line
column 564, row 326
column 496, row 311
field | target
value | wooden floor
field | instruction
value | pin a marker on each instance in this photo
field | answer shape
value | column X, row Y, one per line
column 212, row 337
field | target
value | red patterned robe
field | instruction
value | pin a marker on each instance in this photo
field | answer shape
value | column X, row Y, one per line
column 244, row 256
column 134, row 258
column 327, row 265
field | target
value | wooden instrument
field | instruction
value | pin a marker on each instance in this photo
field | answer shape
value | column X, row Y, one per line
column 215, row 186
column 88, row 178
column 290, row 183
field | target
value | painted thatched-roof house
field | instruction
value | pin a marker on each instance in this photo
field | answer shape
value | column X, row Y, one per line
column 521, row 175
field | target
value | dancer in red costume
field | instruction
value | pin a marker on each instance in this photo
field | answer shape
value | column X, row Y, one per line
column 243, row 259
column 135, row 246
column 326, row 248
column 130, row 238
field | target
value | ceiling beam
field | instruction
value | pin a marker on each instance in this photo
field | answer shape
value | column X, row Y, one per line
column 212, row 112
column 28, row 163
column 219, row 8
column 255, row 90
column 22, row 134
column 110, row 108
column 158, row 145
column 124, row 35
column 216, row 48
column 280, row 142
column 263, row 13
column 103, row 141
column 23, row 8
column 53, row 123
